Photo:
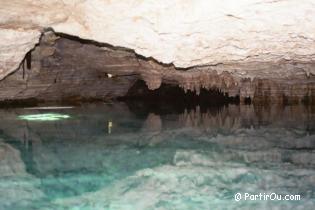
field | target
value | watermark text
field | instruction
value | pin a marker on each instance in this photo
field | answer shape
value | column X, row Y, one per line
column 266, row 197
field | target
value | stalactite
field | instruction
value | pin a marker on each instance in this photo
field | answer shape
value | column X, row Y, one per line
column 23, row 68
column 153, row 81
column 28, row 58
column 55, row 53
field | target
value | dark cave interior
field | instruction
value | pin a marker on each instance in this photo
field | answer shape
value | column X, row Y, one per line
column 63, row 69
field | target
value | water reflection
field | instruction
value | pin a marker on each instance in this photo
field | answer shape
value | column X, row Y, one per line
column 113, row 156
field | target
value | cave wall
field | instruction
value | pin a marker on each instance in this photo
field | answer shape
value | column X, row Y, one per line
column 264, row 50
column 63, row 67
column 179, row 32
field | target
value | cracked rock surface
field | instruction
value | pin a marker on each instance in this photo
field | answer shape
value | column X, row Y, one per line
column 68, row 68
column 185, row 33
column 242, row 48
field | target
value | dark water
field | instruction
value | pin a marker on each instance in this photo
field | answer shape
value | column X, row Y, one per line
column 118, row 157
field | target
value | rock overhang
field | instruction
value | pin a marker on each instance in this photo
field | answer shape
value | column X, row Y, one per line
column 245, row 39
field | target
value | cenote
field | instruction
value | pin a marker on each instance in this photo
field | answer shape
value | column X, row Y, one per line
column 157, row 105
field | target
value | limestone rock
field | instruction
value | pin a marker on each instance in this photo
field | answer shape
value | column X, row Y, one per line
column 67, row 68
column 63, row 69
column 14, row 44
column 185, row 33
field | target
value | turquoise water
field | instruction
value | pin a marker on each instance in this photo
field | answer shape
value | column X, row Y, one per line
column 114, row 156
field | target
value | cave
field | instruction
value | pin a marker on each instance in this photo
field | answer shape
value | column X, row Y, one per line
column 151, row 105
column 66, row 69
column 170, row 98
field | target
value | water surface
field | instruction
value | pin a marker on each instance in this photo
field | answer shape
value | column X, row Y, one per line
column 114, row 156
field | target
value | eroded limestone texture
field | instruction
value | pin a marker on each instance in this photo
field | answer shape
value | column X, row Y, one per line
column 186, row 33
column 251, row 48
column 63, row 67
column 14, row 44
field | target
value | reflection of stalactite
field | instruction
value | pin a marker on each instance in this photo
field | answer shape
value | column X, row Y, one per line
column 233, row 117
column 153, row 123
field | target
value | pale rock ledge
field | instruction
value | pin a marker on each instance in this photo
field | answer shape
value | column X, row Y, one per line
column 185, row 33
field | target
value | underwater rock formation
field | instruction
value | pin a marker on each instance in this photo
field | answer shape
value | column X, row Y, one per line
column 19, row 186
column 172, row 154
column 78, row 161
